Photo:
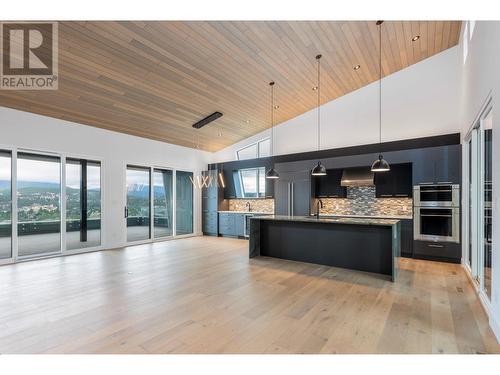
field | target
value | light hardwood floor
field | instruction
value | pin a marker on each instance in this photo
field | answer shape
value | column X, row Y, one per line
column 203, row 295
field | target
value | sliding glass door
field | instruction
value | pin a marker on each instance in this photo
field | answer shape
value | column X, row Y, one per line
column 479, row 218
column 184, row 203
column 138, row 209
column 486, row 197
column 38, row 204
column 83, row 203
column 5, row 204
column 163, row 203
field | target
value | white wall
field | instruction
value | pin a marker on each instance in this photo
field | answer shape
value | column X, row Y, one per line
column 421, row 100
column 27, row 130
column 480, row 77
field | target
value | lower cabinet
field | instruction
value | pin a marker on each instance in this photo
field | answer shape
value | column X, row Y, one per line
column 239, row 223
column 227, row 224
column 441, row 251
column 407, row 238
column 231, row 224
column 210, row 223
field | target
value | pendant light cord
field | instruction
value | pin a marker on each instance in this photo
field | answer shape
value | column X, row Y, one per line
column 272, row 118
column 380, row 81
column 319, row 106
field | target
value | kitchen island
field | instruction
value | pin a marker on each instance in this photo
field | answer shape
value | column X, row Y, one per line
column 364, row 244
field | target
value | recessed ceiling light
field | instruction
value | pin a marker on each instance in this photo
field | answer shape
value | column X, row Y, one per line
column 276, row 106
column 356, row 67
column 247, row 121
column 415, row 38
column 315, row 88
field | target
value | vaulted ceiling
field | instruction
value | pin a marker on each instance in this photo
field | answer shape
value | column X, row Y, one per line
column 156, row 79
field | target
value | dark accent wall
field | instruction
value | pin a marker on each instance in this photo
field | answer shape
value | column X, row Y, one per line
column 408, row 144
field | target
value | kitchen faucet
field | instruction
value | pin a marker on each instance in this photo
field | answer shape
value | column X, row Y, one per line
column 319, row 204
column 247, row 205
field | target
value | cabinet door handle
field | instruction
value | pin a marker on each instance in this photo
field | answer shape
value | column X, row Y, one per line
column 426, row 183
column 401, row 195
column 438, row 246
column 445, row 182
column 289, row 198
column 386, row 195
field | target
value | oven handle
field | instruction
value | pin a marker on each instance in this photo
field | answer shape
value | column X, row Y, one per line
column 434, row 215
column 431, row 245
column 436, row 191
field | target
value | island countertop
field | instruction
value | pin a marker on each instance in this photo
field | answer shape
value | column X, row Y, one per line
column 335, row 220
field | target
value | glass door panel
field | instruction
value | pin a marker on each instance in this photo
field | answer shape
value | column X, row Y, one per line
column 162, row 203
column 138, row 209
column 83, row 204
column 38, row 204
column 469, row 203
column 5, row 205
column 184, row 203
column 486, row 195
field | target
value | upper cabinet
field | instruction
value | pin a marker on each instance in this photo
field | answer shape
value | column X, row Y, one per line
column 328, row 186
column 437, row 165
column 395, row 183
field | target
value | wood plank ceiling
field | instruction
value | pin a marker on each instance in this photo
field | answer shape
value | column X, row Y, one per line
column 155, row 79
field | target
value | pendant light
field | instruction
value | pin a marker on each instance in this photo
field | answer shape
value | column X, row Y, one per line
column 319, row 169
column 380, row 165
column 272, row 173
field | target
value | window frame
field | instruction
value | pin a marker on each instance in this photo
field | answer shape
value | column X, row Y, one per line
column 257, row 144
column 259, row 194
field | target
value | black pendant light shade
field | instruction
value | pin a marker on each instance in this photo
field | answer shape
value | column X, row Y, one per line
column 318, row 170
column 272, row 174
column 380, row 165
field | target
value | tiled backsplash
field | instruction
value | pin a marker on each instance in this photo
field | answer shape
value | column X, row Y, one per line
column 257, row 205
column 362, row 201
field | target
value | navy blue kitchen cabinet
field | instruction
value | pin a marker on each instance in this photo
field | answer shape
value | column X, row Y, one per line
column 328, row 186
column 231, row 224
column 407, row 238
column 440, row 251
column 395, row 183
column 437, row 165
column 293, row 193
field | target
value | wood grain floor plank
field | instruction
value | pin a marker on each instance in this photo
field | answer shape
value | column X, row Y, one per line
column 203, row 295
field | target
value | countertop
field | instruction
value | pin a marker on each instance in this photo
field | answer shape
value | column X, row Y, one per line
column 332, row 220
column 327, row 216
column 396, row 217
column 245, row 212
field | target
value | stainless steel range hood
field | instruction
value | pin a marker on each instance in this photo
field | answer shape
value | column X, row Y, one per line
column 361, row 176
